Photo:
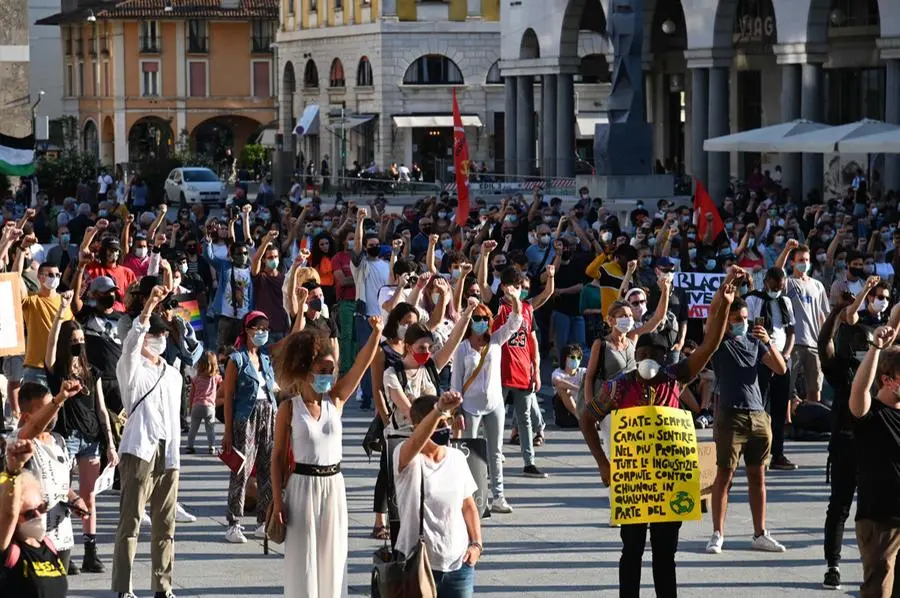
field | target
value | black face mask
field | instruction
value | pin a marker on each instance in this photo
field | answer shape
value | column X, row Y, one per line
column 857, row 272
column 315, row 305
column 441, row 436
column 106, row 301
column 77, row 348
column 373, row 251
column 239, row 260
column 566, row 255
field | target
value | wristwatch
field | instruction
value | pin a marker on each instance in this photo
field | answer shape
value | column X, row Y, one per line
column 478, row 546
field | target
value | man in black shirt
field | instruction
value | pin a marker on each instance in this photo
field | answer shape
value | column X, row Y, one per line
column 566, row 319
column 876, row 427
column 678, row 306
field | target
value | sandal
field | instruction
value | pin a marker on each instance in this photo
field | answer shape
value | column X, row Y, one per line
column 380, row 532
column 539, row 440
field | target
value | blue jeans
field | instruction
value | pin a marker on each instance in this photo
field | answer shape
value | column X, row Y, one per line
column 568, row 330
column 78, row 447
column 522, row 400
column 455, row 584
column 363, row 331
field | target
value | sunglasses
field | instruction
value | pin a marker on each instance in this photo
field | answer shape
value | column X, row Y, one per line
column 481, row 318
column 885, row 297
column 638, row 302
column 30, row 514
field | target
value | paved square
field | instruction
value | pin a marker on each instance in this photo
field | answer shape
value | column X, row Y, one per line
column 557, row 542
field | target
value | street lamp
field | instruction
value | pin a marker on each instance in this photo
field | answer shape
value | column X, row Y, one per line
column 91, row 18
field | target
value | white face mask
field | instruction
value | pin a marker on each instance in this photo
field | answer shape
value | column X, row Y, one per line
column 625, row 324
column 648, row 369
column 401, row 330
column 33, row 529
column 879, row 305
column 155, row 345
column 50, row 283
column 140, row 252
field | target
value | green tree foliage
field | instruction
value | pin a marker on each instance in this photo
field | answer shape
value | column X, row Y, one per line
column 59, row 177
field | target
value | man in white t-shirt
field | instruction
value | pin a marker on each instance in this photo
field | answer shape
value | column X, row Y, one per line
column 568, row 378
column 103, row 183
column 370, row 273
column 777, row 315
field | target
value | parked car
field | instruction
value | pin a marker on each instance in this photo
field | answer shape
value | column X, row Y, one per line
column 192, row 185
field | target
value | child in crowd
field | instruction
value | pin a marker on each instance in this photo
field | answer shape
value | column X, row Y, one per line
column 204, row 388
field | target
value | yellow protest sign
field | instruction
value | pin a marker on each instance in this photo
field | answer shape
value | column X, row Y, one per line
column 654, row 469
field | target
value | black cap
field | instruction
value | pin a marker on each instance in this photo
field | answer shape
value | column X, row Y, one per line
column 652, row 340
column 110, row 242
column 146, row 285
column 157, row 324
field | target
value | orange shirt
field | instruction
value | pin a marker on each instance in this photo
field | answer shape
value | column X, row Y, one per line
column 326, row 272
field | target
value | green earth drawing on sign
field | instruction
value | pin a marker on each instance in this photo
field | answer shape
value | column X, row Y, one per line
column 681, row 503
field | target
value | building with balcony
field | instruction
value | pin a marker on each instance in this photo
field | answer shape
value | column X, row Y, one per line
column 712, row 67
column 372, row 79
column 144, row 75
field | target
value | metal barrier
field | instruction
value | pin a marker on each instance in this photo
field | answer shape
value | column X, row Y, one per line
column 364, row 186
column 494, row 184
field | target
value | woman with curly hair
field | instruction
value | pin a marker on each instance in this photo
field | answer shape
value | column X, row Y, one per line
column 321, row 253
column 314, row 505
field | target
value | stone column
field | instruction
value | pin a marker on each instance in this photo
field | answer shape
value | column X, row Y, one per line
column 891, row 174
column 525, row 137
column 548, row 126
column 812, row 108
column 699, row 107
column 719, row 163
column 791, row 86
column 565, row 126
column 510, row 155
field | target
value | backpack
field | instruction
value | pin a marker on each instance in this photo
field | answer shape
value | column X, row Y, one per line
column 433, row 373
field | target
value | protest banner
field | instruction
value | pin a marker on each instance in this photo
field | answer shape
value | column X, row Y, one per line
column 654, row 469
column 699, row 289
column 12, row 324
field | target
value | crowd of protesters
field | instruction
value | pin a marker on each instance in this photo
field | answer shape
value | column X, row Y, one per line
column 274, row 316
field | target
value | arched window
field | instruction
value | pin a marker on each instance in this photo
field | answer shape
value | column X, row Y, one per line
column 433, row 69
column 364, row 73
column 310, row 74
column 493, row 75
column 336, row 77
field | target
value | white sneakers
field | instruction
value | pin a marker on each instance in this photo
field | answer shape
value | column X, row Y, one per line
column 182, row 516
column 764, row 543
column 260, row 533
column 714, row 546
column 145, row 519
column 235, row 534
column 767, row 543
column 501, row 506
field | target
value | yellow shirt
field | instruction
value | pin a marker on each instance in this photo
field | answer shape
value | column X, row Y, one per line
column 39, row 313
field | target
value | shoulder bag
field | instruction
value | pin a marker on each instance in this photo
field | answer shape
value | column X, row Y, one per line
column 275, row 529
column 483, row 353
column 410, row 576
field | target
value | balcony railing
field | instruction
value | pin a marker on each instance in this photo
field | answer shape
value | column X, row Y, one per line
column 150, row 44
column 198, row 44
column 261, row 44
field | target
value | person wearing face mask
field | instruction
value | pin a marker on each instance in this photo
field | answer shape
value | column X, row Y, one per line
column 741, row 424
column 810, row 303
column 775, row 309
column 268, row 282
column 84, row 421
column 876, row 427
column 64, row 252
column 651, row 383
column 33, row 565
column 234, row 295
column 370, row 274
column 433, row 478
column 567, row 381
column 611, row 275
column 393, row 348
column 149, row 450
column 138, row 260
column 249, row 393
column 855, row 278
column 107, row 265
column 321, row 255
column 315, row 319
column 476, row 375
column 309, row 497
column 870, row 306
column 39, row 311
column 345, row 293
column 50, row 463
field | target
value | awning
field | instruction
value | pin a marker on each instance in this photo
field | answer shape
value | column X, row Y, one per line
column 762, row 139
column 266, row 137
column 308, row 123
column 352, row 121
column 826, row 141
column 881, row 143
column 418, row 122
column 585, row 125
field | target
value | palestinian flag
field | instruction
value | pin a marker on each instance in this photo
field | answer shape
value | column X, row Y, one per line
column 17, row 155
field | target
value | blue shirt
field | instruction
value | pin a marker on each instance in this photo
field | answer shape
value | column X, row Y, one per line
column 735, row 364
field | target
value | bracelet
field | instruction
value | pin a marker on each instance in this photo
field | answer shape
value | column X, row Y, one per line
column 437, row 407
column 478, row 546
column 6, row 476
column 874, row 346
column 56, row 402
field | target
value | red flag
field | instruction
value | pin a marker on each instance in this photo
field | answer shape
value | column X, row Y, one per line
column 703, row 207
column 461, row 165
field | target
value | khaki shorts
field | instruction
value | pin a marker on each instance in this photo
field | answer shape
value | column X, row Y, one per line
column 747, row 432
column 806, row 359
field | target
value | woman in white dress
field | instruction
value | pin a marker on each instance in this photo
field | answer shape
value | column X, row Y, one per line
column 314, row 505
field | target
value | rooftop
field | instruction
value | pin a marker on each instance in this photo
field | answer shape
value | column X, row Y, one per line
column 167, row 10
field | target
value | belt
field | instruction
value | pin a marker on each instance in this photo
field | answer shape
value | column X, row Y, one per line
column 319, row 471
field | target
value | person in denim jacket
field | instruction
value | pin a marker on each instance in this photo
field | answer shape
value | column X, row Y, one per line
column 234, row 296
column 249, row 391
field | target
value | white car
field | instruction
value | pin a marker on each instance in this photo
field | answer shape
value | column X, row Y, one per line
column 194, row 185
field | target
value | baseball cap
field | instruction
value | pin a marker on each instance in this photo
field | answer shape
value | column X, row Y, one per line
column 652, row 340
column 103, row 284
column 146, row 285
column 157, row 324
column 664, row 263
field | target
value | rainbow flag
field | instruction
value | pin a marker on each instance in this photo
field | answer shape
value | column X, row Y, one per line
column 190, row 312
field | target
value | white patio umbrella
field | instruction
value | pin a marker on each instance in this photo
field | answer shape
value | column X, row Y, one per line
column 880, row 143
column 827, row 140
column 762, row 139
